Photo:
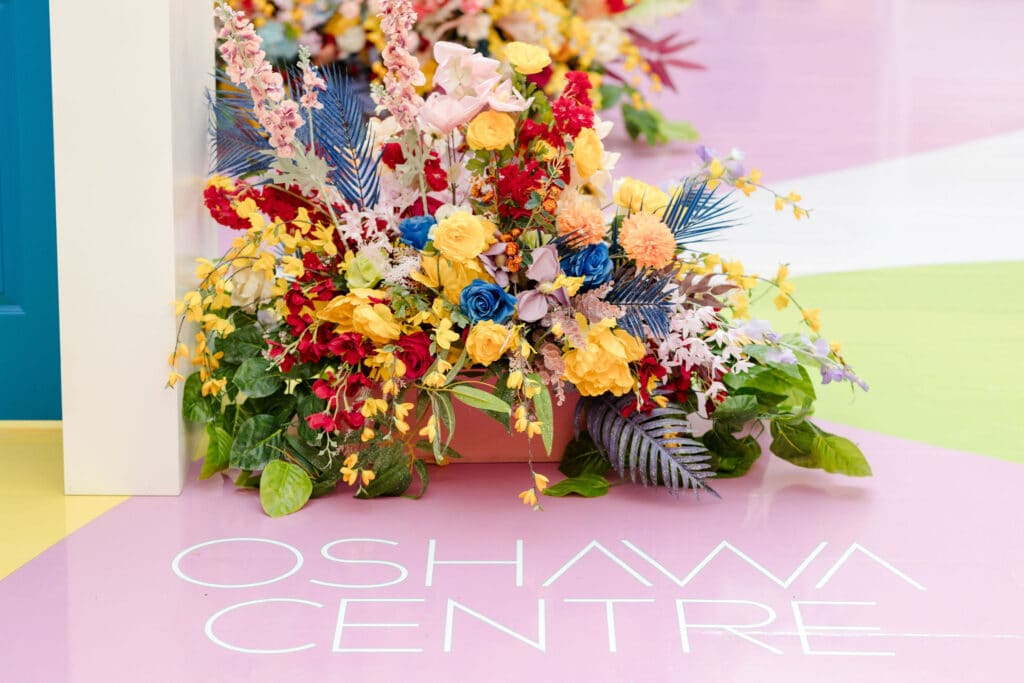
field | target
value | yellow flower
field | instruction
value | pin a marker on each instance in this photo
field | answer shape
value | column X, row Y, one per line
column 341, row 309
column 376, row 322
column 527, row 59
column 781, row 301
column 491, row 130
column 367, row 435
column 637, row 195
column 813, row 318
column 450, row 277
column 487, row 341
column 588, row 153
column 540, row 481
column 514, row 380
column 430, row 430
column 602, row 365
column 462, row 237
column 367, row 476
column 351, row 461
column 443, row 334
column 740, row 306
column 529, row 497
column 212, row 387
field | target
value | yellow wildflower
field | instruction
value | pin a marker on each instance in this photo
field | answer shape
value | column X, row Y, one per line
column 529, row 497
column 540, row 481
column 813, row 318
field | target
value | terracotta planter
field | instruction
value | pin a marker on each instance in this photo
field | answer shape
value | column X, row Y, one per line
column 480, row 438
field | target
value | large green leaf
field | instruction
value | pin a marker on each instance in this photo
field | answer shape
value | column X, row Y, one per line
column 194, row 406
column 475, row 398
column 737, row 410
column 284, row 488
column 732, row 457
column 586, row 485
column 582, row 456
column 256, row 442
column 242, row 344
column 545, row 413
column 308, row 404
column 794, row 441
column 390, row 465
column 507, row 395
column 218, row 452
column 258, row 377
column 840, row 455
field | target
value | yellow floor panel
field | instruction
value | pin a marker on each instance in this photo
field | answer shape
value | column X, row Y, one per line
column 34, row 512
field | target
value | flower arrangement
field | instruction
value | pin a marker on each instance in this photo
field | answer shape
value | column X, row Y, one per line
column 606, row 39
column 470, row 246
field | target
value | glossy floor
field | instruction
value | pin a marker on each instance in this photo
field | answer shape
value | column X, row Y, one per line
column 903, row 125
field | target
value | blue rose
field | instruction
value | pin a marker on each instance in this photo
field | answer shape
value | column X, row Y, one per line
column 486, row 301
column 591, row 263
column 415, row 230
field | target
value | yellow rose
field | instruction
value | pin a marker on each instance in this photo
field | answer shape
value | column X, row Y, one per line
column 340, row 309
column 376, row 322
column 451, row 278
column 602, row 365
column 491, row 130
column 462, row 236
column 527, row 59
column 487, row 341
column 588, row 153
column 637, row 195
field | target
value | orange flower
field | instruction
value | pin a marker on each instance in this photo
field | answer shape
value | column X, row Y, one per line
column 647, row 240
column 583, row 221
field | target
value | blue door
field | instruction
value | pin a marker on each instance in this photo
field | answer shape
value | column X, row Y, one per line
column 29, row 344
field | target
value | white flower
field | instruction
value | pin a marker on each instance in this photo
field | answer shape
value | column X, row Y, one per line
column 474, row 27
column 605, row 40
column 249, row 288
column 351, row 41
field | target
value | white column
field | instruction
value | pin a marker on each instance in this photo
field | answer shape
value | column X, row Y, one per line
column 130, row 147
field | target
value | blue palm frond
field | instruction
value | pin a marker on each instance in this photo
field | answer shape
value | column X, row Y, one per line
column 655, row 447
column 696, row 212
column 644, row 298
column 343, row 140
column 340, row 130
column 240, row 146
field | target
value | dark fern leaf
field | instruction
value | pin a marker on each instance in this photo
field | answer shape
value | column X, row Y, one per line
column 343, row 139
column 695, row 212
column 240, row 147
column 655, row 447
column 643, row 295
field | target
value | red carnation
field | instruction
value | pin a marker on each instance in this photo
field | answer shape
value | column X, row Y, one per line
column 350, row 346
column 391, row 155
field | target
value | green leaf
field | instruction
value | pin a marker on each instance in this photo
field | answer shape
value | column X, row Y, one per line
column 218, row 452
column 475, row 398
column 610, row 94
column 794, row 441
column 390, row 465
column 586, row 485
column 324, row 487
column 284, row 488
column 787, row 385
column 502, row 392
column 242, row 344
column 308, row 404
column 441, row 404
column 258, row 377
column 737, row 410
column 840, row 455
column 545, row 413
column 642, row 122
column 194, row 406
column 255, row 443
column 424, row 475
column 583, row 457
column 281, row 406
column 732, row 457
column 678, row 130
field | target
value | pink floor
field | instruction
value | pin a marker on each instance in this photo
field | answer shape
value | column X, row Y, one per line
column 913, row 574
column 910, row 573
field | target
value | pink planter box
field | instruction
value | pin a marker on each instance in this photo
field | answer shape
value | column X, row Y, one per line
column 480, row 438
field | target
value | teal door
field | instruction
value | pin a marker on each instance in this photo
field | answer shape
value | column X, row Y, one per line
column 29, row 344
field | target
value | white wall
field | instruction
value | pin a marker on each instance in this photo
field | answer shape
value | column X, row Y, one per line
column 130, row 150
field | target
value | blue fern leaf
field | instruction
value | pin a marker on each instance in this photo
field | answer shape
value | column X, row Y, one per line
column 343, row 139
column 695, row 212
column 643, row 297
column 654, row 447
column 240, row 146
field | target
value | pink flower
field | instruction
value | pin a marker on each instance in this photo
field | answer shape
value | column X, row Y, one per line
column 397, row 18
column 445, row 113
column 462, row 72
column 506, row 98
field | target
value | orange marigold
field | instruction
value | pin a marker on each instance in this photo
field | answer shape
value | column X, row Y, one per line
column 647, row 240
column 583, row 220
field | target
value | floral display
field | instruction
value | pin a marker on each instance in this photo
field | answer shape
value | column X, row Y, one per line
column 606, row 39
column 471, row 246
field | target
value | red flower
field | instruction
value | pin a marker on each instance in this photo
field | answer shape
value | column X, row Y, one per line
column 515, row 187
column 350, row 346
column 437, row 179
column 391, row 155
column 219, row 203
column 414, row 351
column 355, row 383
